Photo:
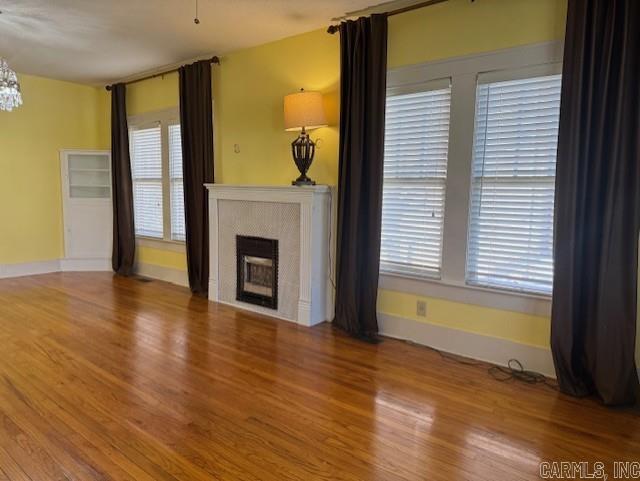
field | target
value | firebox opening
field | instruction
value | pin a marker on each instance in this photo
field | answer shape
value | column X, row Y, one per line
column 257, row 271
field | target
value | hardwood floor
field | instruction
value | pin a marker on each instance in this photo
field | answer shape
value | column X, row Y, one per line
column 104, row 378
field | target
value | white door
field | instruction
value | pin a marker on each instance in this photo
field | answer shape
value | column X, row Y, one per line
column 86, row 180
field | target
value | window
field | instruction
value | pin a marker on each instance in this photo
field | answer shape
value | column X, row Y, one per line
column 415, row 172
column 513, row 179
column 469, row 177
column 146, row 169
column 156, row 168
column 175, row 179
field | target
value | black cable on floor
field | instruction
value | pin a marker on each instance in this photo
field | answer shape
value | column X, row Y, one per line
column 513, row 371
column 457, row 359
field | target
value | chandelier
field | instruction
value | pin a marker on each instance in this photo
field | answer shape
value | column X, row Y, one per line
column 10, row 96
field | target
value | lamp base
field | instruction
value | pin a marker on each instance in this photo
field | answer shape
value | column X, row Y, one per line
column 303, row 180
column 302, row 150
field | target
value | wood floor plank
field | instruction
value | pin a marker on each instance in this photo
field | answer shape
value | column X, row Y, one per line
column 115, row 379
column 10, row 468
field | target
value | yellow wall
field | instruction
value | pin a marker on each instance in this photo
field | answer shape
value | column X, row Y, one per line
column 55, row 115
column 248, row 89
column 486, row 321
column 249, row 86
column 460, row 27
column 163, row 258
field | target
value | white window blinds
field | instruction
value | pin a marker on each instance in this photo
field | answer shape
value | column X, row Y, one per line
column 415, row 171
column 146, row 169
column 176, row 184
column 513, row 179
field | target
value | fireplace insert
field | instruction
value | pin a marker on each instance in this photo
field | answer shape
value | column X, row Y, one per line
column 257, row 271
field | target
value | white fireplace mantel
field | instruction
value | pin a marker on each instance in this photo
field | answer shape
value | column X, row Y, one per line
column 314, row 303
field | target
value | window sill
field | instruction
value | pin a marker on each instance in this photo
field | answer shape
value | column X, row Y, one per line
column 161, row 244
column 526, row 303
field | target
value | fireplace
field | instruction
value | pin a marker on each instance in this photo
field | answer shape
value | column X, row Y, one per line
column 257, row 271
column 298, row 217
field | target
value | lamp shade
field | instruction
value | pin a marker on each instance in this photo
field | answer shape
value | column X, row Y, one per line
column 304, row 109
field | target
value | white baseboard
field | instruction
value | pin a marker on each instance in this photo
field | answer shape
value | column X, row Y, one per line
column 475, row 346
column 85, row 264
column 29, row 268
column 53, row 265
column 168, row 274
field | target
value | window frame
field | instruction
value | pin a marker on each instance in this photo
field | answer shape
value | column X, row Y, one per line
column 162, row 118
column 464, row 72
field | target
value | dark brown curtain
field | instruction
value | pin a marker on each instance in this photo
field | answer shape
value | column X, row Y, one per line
column 124, row 240
column 593, row 324
column 197, row 163
column 363, row 71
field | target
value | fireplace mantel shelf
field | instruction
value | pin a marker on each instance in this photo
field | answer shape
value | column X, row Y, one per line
column 266, row 193
column 288, row 188
column 315, row 297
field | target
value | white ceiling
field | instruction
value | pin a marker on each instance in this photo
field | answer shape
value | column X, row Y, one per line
column 100, row 41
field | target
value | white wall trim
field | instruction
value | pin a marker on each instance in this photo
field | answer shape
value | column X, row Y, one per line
column 522, row 56
column 467, row 344
column 29, row 268
column 169, row 115
column 88, row 264
column 167, row 274
column 54, row 265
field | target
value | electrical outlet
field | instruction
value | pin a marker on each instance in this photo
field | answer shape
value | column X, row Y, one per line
column 421, row 308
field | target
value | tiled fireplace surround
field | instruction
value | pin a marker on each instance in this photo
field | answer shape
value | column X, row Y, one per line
column 299, row 218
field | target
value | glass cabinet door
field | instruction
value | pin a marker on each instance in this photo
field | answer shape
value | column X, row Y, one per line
column 89, row 176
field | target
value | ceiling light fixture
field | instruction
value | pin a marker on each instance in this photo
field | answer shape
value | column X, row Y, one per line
column 10, row 96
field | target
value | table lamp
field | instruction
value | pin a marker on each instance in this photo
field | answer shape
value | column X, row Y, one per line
column 303, row 111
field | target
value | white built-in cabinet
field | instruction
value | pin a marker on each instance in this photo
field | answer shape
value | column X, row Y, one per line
column 87, row 208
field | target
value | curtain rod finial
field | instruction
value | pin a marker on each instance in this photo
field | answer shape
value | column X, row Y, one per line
column 332, row 29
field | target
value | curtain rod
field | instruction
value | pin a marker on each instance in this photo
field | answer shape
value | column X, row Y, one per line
column 334, row 28
column 214, row 60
